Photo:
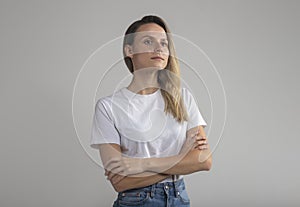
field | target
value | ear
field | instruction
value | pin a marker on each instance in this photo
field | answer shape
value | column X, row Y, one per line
column 128, row 51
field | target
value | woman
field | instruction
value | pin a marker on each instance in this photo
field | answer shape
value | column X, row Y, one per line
column 150, row 133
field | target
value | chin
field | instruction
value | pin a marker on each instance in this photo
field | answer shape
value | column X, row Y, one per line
column 159, row 66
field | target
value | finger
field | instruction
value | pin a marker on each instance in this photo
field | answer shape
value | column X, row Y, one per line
column 201, row 137
column 197, row 144
column 113, row 166
column 192, row 145
column 110, row 175
column 111, row 161
column 119, row 170
column 113, row 175
column 202, row 142
column 193, row 135
column 202, row 147
column 116, row 179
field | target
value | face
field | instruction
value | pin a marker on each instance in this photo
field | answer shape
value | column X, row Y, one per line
column 150, row 47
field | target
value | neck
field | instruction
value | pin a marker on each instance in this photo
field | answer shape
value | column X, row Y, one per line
column 144, row 81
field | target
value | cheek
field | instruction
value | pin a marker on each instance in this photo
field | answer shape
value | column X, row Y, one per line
column 140, row 58
column 141, row 49
column 166, row 55
column 166, row 51
column 166, row 62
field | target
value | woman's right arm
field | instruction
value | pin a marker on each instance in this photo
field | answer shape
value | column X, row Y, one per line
column 110, row 151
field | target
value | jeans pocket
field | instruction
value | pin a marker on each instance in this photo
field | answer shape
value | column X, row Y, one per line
column 183, row 195
column 133, row 197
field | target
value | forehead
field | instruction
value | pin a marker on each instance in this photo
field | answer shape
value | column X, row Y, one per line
column 152, row 30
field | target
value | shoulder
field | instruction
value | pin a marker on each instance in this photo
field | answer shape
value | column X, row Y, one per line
column 108, row 100
column 186, row 93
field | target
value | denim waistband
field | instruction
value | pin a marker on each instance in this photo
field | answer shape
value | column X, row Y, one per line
column 173, row 187
column 172, row 184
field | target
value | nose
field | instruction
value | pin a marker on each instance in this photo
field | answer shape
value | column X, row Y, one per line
column 158, row 48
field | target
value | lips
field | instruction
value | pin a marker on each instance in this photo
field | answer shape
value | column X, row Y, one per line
column 157, row 58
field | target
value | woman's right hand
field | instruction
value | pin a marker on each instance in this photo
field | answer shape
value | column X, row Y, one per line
column 124, row 166
column 194, row 141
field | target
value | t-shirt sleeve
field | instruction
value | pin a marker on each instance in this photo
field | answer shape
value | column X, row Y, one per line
column 103, row 127
column 195, row 117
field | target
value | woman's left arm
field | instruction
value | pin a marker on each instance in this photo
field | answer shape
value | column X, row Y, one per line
column 194, row 156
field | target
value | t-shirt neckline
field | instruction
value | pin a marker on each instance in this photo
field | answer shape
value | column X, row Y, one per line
column 137, row 95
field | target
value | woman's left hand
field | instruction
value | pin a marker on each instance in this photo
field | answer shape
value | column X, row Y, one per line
column 114, row 178
column 124, row 166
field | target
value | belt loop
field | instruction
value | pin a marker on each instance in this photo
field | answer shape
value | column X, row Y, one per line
column 152, row 191
column 175, row 186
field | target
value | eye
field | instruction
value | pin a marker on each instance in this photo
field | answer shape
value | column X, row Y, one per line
column 148, row 42
column 165, row 44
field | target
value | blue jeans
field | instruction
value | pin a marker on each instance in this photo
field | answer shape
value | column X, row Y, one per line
column 166, row 194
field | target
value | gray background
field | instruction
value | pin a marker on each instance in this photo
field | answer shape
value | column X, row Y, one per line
column 253, row 44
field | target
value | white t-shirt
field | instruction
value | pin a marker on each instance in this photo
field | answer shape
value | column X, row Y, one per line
column 140, row 126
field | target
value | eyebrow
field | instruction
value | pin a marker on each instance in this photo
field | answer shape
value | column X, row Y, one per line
column 153, row 37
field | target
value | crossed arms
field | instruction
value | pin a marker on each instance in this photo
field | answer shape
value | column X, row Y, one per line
column 127, row 173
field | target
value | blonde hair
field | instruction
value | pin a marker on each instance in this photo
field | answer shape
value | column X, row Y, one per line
column 169, row 77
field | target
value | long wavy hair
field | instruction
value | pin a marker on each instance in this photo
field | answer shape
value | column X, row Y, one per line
column 168, row 80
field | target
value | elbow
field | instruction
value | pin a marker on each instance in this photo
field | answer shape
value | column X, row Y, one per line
column 121, row 186
column 205, row 163
column 118, row 188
